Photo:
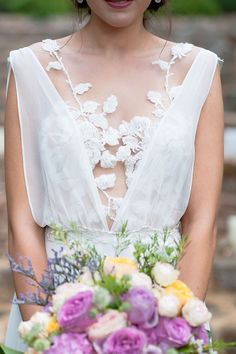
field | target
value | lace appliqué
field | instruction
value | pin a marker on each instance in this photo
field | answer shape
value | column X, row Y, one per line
column 131, row 137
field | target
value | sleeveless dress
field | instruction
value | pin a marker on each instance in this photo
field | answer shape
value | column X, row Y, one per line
column 74, row 155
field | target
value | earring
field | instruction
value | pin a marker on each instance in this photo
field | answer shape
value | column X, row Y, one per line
column 157, row 1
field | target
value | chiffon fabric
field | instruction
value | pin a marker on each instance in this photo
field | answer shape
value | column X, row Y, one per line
column 59, row 179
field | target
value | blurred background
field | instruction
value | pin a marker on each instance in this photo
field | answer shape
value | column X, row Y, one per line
column 210, row 24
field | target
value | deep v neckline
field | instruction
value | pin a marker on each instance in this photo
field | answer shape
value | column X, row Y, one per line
column 115, row 224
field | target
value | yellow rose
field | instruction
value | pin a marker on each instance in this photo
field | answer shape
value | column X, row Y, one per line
column 119, row 266
column 180, row 290
column 52, row 326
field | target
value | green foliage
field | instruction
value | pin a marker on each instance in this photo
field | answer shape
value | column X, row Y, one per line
column 116, row 287
column 36, row 7
column 193, row 7
column 5, row 350
column 182, row 7
column 228, row 5
column 158, row 250
column 122, row 240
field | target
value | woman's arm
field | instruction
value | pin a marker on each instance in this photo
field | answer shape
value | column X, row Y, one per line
column 200, row 219
column 26, row 238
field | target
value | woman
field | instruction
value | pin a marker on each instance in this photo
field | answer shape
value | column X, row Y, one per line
column 111, row 124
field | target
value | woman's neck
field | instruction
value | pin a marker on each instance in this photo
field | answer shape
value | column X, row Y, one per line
column 112, row 41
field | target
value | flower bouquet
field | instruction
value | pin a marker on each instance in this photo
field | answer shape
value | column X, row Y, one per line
column 114, row 305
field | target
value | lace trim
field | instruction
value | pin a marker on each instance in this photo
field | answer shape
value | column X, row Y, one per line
column 131, row 137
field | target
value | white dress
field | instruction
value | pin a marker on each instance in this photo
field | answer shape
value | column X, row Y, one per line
column 73, row 153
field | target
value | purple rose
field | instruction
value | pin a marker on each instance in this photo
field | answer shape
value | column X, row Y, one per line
column 70, row 343
column 200, row 332
column 74, row 313
column 143, row 305
column 151, row 334
column 174, row 331
column 127, row 340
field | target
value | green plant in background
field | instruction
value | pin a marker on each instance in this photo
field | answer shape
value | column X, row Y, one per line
column 179, row 7
column 36, row 7
column 193, row 7
column 228, row 5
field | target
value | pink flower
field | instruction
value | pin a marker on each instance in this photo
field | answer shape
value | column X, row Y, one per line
column 125, row 341
column 110, row 322
column 74, row 313
column 176, row 332
column 70, row 343
column 143, row 305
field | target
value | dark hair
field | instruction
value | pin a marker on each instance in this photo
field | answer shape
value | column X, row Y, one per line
column 154, row 6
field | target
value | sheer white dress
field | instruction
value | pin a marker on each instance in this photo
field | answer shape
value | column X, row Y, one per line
column 87, row 160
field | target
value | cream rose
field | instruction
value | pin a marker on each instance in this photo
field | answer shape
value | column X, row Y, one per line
column 119, row 266
column 141, row 279
column 110, row 322
column 195, row 312
column 42, row 318
column 164, row 274
column 25, row 327
column 157, row 291
column 168, row 305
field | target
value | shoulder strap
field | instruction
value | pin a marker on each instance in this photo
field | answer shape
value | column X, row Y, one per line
column 198, row 83
column 29, row 103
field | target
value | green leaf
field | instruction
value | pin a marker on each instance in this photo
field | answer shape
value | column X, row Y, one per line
column 6, row 350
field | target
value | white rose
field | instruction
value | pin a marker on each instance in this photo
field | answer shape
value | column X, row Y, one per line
column 157, row 292
column 141, row 279
column 110, row 322
column 168, row 305
column 25, row 327
column 195, row 312
column 42, row 318
column 164, row 274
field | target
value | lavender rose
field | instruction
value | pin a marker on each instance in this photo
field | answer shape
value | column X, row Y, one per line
column 143, row 305
column 176, row 332
column 74, row 313
column 201, row 333
column 127, row 340
column 70, row 343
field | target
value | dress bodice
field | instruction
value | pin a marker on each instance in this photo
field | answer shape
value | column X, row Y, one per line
column 131, row 137
column 76, row 159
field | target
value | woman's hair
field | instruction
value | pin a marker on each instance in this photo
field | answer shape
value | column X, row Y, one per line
column 153, row 5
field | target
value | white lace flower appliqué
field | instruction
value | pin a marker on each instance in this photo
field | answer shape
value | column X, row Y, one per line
column 106, row 181
column 181, row 50
column 54, row 65
column 82, row 88
column 106, row 145
column 50, row 45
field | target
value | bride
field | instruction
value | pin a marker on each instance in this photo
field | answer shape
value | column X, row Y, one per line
column 113, row 123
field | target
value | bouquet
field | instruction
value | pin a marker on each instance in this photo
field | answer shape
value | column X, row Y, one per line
column 114, row 305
